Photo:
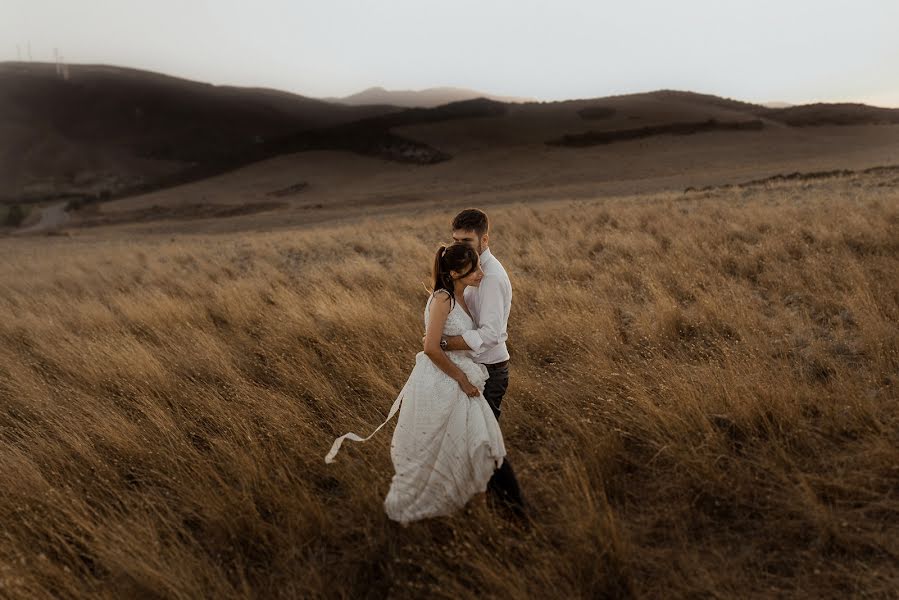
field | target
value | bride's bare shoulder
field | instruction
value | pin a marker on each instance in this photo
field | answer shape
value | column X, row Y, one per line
column 440, row 298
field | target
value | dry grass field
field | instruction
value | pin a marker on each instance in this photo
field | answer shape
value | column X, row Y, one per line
column 702, row 404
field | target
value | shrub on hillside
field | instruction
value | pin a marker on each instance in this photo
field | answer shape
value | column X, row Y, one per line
column 597, row 112
column 14, row 216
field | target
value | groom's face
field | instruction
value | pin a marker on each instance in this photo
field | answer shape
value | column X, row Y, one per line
column 471, row 238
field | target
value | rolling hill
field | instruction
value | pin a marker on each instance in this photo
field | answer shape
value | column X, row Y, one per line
column 109, row 133
column 112, row 128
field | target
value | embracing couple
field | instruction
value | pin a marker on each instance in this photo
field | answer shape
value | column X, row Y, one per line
column 447, row 446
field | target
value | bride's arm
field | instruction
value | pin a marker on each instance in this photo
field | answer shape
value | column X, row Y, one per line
column 440, row 308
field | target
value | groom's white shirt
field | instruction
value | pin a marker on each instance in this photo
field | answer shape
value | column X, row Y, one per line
column 490, row 305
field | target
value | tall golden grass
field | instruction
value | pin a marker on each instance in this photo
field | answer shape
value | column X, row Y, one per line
column 702, row 404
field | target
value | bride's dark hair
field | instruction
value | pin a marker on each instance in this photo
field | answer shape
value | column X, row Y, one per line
column 455, row 257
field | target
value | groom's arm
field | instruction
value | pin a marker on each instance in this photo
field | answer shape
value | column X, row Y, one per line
column 456, row 342
column 490, row 333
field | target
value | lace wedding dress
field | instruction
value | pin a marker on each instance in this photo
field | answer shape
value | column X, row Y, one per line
column 446, row 445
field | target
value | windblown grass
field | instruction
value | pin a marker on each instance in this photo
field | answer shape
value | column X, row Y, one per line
column 702, row 403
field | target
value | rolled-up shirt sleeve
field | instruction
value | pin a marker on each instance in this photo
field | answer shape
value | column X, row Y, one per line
column 491, row 331
column 473, row 339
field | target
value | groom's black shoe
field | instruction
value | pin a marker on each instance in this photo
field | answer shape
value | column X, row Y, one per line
column 504, row 495
column 504, row 485
column 516, row 513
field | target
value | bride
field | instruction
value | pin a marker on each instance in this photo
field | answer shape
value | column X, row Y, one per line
column 447, row 442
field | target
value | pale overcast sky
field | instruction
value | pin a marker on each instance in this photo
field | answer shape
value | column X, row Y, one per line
column 756, row 50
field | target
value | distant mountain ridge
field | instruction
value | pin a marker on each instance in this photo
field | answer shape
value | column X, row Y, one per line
column 111, row 128
column 107, row 131
column 426, row 98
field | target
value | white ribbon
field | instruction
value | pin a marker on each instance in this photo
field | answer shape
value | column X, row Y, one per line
column 329, row 458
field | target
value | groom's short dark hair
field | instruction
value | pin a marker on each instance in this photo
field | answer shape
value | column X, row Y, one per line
column 471, row 219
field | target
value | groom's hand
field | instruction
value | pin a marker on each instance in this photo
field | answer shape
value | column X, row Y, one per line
column 456, row 343
column 453, row 343
column 425, row 337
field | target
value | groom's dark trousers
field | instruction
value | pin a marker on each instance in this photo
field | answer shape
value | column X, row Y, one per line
column 503, row 484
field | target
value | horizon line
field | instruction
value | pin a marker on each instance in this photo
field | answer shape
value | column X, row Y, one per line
column 524, row 99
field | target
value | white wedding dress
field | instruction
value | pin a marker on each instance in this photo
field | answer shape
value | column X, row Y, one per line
column 446, row 445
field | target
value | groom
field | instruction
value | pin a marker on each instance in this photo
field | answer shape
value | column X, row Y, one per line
column 490, row 304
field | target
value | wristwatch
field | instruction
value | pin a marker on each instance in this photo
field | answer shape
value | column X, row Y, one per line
column 443, row 343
